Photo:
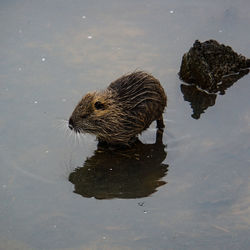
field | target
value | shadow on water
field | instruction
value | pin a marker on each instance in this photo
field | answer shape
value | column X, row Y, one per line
column 200, row 99
column 134, row 172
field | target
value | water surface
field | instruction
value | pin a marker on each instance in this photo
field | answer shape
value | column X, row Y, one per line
column 191, row 192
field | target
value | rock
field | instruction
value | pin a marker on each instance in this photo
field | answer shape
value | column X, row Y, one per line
column 207, row 64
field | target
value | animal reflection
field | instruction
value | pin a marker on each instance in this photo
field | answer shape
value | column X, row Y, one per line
column 134, row 172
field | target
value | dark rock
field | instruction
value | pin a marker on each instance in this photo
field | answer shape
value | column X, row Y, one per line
column 207, row 64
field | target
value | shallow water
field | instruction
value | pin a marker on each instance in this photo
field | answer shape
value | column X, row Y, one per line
column 192, row 193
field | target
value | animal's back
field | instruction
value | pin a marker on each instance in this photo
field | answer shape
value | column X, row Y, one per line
column 141, row 96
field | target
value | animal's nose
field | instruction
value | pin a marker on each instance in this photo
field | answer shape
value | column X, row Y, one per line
column 71, row 124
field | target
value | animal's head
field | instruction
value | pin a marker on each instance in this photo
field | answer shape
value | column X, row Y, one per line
column 94, row 114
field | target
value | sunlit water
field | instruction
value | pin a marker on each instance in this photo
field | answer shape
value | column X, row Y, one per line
column 58, row 191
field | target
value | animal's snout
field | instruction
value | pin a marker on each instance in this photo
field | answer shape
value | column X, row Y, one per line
column 71, row 123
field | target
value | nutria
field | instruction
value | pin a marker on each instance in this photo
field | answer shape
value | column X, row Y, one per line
column 119, row 113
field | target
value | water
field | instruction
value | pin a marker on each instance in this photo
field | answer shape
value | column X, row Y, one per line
column 61, row 192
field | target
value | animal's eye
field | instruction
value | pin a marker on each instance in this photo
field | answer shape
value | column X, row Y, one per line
column 99, row 105
column 84, row 116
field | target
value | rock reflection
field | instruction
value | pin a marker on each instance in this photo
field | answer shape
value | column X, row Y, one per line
column 200, row 99
column 135, row 172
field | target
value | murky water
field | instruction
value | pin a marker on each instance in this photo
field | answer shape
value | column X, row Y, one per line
column 61, row 192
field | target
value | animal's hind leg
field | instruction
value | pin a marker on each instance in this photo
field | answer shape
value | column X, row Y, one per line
column 160, row 123
column 159, row 135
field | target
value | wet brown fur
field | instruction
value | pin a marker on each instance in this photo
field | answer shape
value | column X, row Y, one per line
column 119, row 113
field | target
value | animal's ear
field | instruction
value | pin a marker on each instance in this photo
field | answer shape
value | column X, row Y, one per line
column 99, row 105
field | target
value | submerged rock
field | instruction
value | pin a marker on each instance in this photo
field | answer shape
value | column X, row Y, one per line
column 207, row 64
